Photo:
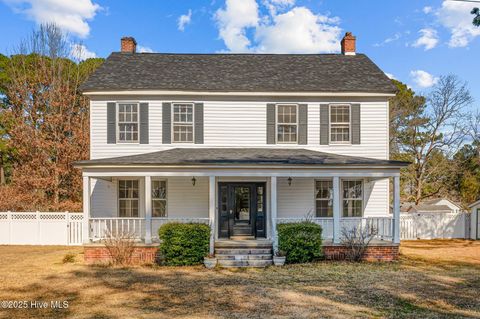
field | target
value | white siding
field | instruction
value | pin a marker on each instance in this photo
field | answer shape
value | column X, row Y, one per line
column 243, row 124
column 183, row 199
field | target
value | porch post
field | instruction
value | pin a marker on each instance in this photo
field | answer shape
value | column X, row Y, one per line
column 273, row 211
column 148, row 209
column 211, row 211
column 86, row 210
column 396, row 209
column 336, row 210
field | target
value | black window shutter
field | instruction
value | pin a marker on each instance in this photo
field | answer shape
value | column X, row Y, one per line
column 166, row 123
column 355, row 123
column 324, row 124
column 144, row 123
column 303, row 124
column 198, row 123
column 270, row 123
column 111, row 123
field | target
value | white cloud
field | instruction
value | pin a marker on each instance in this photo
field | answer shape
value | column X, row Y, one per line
column 390, row 76
column 428, row 39
column 299, row 31
column 427, row 9
column 423, row 79
column 184, row 20
column 393, row 38
column 296, row 30
column 456, row 17
column 142, row 49
column 69, row 15
column 233, row 22
column 79, row 52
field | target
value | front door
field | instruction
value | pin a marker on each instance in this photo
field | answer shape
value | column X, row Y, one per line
column 241, row 209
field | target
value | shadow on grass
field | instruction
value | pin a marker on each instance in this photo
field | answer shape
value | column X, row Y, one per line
column 327, row 289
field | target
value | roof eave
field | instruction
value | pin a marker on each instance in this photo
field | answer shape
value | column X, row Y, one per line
column 126, row 92
column 239, row 165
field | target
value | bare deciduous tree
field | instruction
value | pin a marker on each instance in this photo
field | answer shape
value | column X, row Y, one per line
column 120, row 246
column 434, row 135
column 357, row 240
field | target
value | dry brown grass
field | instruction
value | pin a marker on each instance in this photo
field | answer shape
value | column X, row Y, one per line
column 426, row 287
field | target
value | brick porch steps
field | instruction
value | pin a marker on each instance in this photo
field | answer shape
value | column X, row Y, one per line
column 244, row 253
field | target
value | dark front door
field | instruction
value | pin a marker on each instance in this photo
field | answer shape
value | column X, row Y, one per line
column 241, row 208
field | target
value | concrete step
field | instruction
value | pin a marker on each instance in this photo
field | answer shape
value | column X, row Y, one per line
column 243, row 244
column 244, row 257
column 243, row 251
column 244, row 263
column 242, row 237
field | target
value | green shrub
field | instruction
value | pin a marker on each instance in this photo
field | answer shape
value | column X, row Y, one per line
column 301, row 242
column 184, row 244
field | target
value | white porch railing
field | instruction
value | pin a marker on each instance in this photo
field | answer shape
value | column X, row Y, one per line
column 100, row 227
column 135, row 226
column 383, row 225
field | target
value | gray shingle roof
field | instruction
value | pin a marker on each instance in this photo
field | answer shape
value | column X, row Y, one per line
column 425, row 208
column 244, row 156
column 239, row 73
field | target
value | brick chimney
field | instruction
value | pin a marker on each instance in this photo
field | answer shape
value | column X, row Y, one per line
column 128, row 45
column 348, row 44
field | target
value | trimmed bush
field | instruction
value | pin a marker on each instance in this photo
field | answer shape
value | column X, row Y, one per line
column 184, row 244
column 301, row 242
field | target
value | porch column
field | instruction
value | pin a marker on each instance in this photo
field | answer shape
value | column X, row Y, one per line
column 273, row 211
column 336, row 210
column 396, row 209
column 211, row 211
column 148, row 209
column 86, row 210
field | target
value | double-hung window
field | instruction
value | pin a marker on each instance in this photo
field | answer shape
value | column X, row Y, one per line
column 324, row 198
column 159, row 198
column 339, row 124
column 352, row 198
column 183, row 123
column 287, row 125
column 127, row 122
column 128, row 198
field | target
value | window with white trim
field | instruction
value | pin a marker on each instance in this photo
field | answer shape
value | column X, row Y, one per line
column 159, row 198
column 287, row 125
column 352, row 198
column 324, row 198
column 339, row 123
column 127, row 122
column 128, row 198
column 183, row 123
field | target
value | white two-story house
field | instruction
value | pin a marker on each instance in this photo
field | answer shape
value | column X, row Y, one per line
column 241, row 142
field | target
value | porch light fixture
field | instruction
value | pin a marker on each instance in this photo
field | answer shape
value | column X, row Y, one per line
column 289, row 181
column 194, row 180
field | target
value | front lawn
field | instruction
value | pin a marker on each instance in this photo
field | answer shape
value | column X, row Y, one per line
column 434, row 279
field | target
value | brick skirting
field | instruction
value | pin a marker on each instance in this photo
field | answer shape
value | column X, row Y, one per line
column 142, row 254
column 374, row 252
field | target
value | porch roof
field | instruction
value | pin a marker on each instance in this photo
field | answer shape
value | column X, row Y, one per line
column 238, row 156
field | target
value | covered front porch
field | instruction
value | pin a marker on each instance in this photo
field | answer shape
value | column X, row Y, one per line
column 240, row 192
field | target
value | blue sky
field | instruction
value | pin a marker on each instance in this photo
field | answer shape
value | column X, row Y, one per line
column 415, row 41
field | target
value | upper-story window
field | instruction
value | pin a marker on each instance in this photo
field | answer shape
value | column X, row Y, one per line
column 339, row 124
column 183, row 123
column 352, row 198
column 127, row 122
column 287, row 123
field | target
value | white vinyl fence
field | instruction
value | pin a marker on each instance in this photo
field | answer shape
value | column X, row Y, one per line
column 38, row 228
column 434, row 225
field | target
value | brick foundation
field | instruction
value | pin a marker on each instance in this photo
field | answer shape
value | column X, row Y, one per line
column 374, row 252
column 142, row 254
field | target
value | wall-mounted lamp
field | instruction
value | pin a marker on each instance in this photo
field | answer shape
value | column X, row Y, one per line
column 194, row 180
column 289, row 181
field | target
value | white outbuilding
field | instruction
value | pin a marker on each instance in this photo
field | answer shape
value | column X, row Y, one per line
column 475, row 220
